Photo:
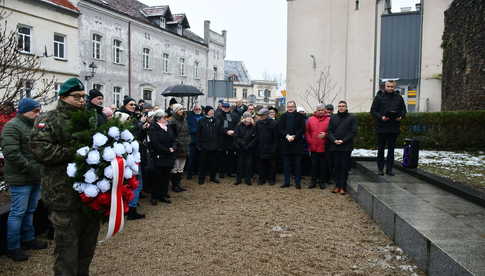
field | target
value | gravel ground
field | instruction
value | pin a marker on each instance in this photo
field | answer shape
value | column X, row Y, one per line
column 222, row 229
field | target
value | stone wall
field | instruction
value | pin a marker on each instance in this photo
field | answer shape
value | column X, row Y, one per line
column 464, row 56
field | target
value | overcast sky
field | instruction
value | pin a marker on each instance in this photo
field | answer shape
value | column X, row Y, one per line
column 256, row 28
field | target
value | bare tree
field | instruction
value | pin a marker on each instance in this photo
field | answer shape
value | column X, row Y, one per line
column 322, row 91
column 20, row 73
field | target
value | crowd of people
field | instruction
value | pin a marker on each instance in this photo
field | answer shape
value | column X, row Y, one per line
column 241, row 141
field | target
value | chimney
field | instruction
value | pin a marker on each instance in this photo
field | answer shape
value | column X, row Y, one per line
column 207, row 28
column 418, row 6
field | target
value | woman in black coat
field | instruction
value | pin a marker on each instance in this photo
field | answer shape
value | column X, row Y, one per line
column 245, row 142
column 341, row 133
column 162, row 147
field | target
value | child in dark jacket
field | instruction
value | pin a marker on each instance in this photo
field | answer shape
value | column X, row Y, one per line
column 245, row 143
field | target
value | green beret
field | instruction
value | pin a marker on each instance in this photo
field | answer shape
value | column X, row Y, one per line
column 72, row 84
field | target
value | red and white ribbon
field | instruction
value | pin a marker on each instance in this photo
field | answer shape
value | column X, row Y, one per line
column 116, row 213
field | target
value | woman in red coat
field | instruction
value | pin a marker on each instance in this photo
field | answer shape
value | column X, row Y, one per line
column 315, row 135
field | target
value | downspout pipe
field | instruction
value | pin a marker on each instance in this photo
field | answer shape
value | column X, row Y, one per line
column 375, row 49
column 418, row 86
column 129, row 58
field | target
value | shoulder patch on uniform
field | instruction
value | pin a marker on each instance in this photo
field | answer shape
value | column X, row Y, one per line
column 40, row 125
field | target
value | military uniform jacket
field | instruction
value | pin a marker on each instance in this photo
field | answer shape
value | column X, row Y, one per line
column 51, row 146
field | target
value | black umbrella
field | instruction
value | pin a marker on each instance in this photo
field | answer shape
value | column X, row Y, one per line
column 182, row 90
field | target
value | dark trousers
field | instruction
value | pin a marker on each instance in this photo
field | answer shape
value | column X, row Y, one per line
column 76, row 237
column 245, row 165
column 342, row 164
column 320, row 166
column 292, row 166
column 207, row 163
column 193, row 159
column 160, row 182
column 331, row 166
column 267, row 169
column 383, row 140
column 228, row 161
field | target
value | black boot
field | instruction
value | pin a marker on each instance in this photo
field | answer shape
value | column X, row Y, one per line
column 298, row 186
column 261, row 181
column 313, row 184
column 248, row 181
column 215, row 180
column 201, row 180
column 322, row 184
column 179, row 182
column 173, row 180
column 238, row 180
column 390, row 173
column 133, row 214
column 17, row 255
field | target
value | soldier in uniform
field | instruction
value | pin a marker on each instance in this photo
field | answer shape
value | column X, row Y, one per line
column 76, row 231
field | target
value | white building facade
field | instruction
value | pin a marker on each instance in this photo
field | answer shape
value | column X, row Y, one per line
column 342, row 37
column 139, row 51
column 49, row 30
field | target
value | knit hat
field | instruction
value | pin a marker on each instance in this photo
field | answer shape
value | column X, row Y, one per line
column 72, row 84
column 329, row 107
column 27, row 104
column 128, row 99
column 207, row 108
column 172, row 101
column 225, row 105
column 93, row 93
column 176, row 107
column 247, row 115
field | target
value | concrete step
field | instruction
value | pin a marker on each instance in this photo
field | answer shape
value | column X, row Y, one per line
column 442, row 232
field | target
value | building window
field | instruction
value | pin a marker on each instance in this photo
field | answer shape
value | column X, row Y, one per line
column 234, row 92
column 98, row 87
column 357, row 5
column 24, row 39
column 117, row 96
column 165, row 63
column 26, row 88
column 59, row 46
column 245, row 93
column 147, row 94
column 163, row 22
column 146, row 58
column 182, row 66
column 97, row 46
column 117, row 51
column 260, row 93
column 57, row 87
column 215, row 72
column 180, row 29
column 196, row 70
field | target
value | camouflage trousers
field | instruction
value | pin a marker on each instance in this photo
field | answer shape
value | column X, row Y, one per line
column 76, row 235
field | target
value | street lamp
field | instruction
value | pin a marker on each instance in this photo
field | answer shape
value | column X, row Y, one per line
column 91, row 67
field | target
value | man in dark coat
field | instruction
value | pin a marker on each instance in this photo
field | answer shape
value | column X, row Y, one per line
column 208, row 144
column 227, row 121
column 95, row 102
column 267, row 146
column 341, row 133
column 193, row 118
column 388, row 109
column 291, row 128
column 22, row 174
